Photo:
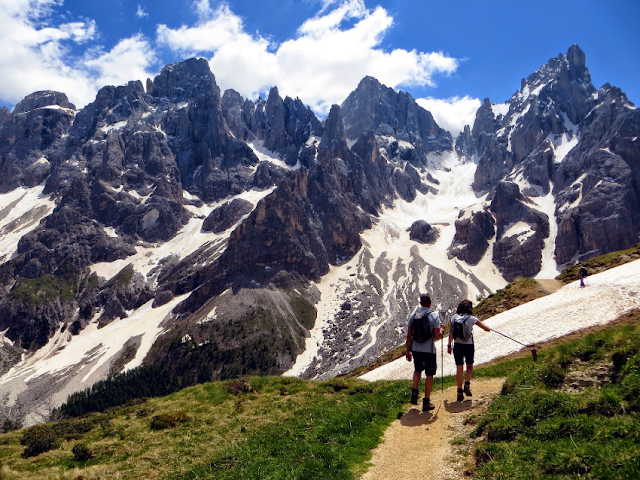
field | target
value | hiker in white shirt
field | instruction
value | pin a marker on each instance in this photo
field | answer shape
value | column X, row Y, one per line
column 462, row 332
column 423, row 351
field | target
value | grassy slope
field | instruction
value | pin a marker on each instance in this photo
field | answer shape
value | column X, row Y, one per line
column 601, row 263
column 262, row 427
column 539, row 427
column 287, row 428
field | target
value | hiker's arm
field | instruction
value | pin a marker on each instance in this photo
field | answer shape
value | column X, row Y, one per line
column 483, row 326
column 409, row 340
column 437, row 333
column 450, row 342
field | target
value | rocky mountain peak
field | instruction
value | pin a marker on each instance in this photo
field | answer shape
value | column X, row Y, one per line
column 276, row 138
column 185, row 81
column 4, row 114
column 334, row 141
column 564, row 80
column 465, row 148
column 577, row 63
column 485, row 121
column 385, row 112
column 610, row 93
column 214, row 207
column 571, row 67
column 44, row 98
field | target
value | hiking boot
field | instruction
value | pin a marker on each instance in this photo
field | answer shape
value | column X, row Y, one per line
column 467, row 389
column 414, row 397
column 460, row 395
column 427, row 405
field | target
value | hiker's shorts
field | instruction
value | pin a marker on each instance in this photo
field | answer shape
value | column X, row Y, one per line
column 462, row 351
column 425, row 361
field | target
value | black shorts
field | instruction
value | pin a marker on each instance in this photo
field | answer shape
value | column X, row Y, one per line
column 462, row 351
column 425, row 361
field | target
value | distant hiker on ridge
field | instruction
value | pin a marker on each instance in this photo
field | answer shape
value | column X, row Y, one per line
column 422, row 330
column 582, row 270
column 462, row 331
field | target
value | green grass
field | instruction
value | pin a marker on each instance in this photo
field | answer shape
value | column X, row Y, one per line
column 43, row 289
column 536, row 429
column 287, row 428
column 262, row 427
column 521, row 290
column 304, row 310
column 601, row 263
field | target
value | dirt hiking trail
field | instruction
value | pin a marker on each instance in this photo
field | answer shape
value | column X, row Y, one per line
column 418, row 445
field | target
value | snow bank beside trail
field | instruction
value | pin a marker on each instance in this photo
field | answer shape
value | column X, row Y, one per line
column 607, row 296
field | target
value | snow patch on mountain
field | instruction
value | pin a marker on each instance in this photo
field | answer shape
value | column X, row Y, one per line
column 20, row 212
column 266, row 155
column 566, row 145
column 388, row 243
column 500, row 109
column 114, row 126
column 547, row 204
column 77, row 362
column 189, row 239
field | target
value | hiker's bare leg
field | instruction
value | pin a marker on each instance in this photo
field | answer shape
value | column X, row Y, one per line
column 428, row 385
column 469, row 373
column 416, row 379
column 459, row 372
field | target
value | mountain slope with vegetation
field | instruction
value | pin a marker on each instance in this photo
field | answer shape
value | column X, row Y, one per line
column 262, row 427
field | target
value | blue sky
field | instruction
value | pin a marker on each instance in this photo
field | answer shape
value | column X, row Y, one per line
column 448, row 55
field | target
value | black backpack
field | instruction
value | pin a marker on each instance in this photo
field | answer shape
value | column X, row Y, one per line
column 421, row 327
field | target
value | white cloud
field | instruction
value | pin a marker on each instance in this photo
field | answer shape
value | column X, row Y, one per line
column 321, row 66
column 128, row 60
column 452, row 114
column 141, row 12
column 36, row 54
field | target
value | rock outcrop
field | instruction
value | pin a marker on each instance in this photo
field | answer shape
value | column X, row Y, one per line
column 379, row 109
column 421, row 231
column 473, row 232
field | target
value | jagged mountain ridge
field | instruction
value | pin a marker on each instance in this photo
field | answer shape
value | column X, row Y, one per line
column 544, row 141
column 238, row 217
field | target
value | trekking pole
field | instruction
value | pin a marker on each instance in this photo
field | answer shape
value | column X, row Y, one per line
column 534, row 352
column 442, row 363
column 442, row 357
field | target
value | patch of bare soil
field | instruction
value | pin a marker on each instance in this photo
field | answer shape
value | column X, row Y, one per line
column 419, row 444
column 550, row 285
column 584, row 375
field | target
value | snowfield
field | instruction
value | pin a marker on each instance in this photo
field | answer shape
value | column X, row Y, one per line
column 606, row 296
column 389, row 238
column 75, row 363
